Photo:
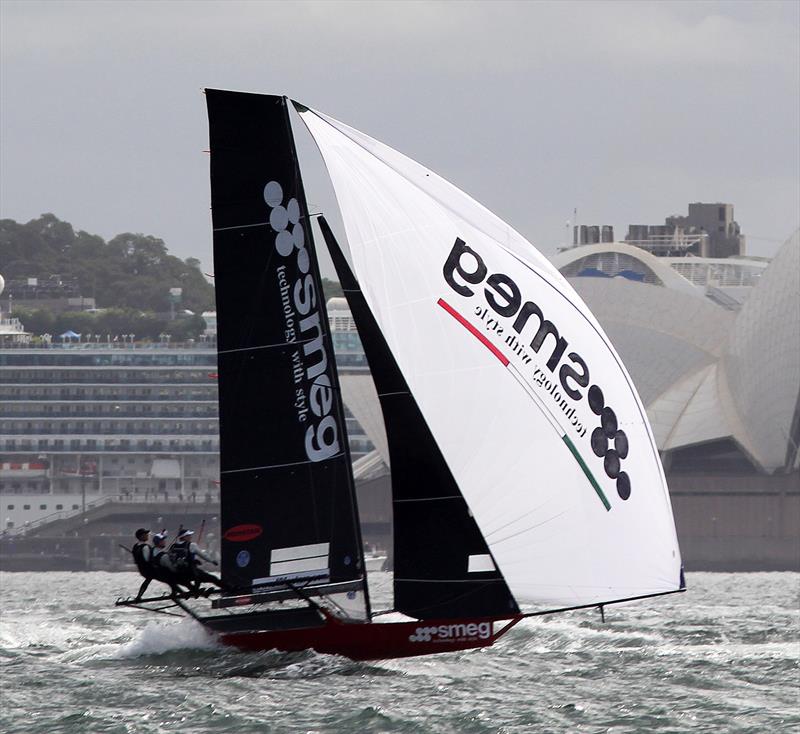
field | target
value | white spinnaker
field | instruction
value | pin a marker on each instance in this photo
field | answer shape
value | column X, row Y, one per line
column 517, row 444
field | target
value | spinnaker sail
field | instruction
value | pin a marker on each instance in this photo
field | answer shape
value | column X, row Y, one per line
column 536, row 417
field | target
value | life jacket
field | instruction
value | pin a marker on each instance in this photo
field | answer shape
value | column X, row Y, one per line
column 182, row 557
column 138, row 558
column 155, row 561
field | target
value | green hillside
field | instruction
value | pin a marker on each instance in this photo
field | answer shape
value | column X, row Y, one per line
column 131, row 271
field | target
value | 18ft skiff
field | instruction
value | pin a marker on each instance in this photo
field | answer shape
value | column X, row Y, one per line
column 525, row 477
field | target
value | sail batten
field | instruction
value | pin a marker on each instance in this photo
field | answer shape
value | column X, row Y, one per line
column 537, row 420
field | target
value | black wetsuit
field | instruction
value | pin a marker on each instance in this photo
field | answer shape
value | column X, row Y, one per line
column 142, row 560
column 187, row 567
column 163, row 574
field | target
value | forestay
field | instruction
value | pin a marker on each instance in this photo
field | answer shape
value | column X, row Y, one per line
column 531, row 407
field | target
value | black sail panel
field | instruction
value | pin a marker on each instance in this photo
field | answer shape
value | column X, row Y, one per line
column 434, row 532
column 288, row 500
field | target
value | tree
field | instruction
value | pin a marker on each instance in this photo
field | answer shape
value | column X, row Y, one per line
column 131, row 271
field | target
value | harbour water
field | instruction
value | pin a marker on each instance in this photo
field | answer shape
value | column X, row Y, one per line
column 723, row 657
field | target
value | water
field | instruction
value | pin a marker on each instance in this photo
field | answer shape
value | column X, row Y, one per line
column 724, row 657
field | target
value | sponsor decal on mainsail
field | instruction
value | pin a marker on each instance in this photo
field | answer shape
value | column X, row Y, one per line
column 243, row 533
column 303, row 320
column 514, row 320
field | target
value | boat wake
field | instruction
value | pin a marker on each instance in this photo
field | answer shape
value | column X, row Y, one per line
column 157, row 638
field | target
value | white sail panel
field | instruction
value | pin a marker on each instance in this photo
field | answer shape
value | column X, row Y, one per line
column 533, row 411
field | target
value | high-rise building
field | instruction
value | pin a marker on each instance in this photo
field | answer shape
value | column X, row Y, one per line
column 709, row 230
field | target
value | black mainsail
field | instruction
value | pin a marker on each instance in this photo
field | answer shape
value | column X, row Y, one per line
column 288, row 502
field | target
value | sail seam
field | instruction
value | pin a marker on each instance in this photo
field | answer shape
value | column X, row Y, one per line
column 240, row 226
column 429, row 499
column 270, row 346
column 457, row 581
column 278, row 466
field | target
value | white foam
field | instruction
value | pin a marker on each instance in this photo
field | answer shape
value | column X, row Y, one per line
column 160, row 637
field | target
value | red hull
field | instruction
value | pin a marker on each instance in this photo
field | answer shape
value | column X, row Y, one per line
column 371, row 641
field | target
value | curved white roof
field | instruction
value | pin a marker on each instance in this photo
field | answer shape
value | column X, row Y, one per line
column 588, row 255
column 704, row 372
column 762, row 360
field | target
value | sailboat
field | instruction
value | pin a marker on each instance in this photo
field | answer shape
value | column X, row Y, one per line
column 525, row 477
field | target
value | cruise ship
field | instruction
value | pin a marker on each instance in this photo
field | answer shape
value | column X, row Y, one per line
column 82, row 424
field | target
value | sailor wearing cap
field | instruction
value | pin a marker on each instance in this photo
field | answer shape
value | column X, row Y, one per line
column 161, row 564
column 186, row 556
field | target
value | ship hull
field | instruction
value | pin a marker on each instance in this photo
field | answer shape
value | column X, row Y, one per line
column 371, row 641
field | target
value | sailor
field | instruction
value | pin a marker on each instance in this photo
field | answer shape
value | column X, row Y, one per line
column 162, row 567
column 142, row 556
column 185, row 556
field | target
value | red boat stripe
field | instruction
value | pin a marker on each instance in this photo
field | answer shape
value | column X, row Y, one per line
column 458, row 317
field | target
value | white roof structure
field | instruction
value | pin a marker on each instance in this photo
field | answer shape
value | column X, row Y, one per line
column 707, row 369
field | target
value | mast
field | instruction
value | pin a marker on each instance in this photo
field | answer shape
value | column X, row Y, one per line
column 287, row 491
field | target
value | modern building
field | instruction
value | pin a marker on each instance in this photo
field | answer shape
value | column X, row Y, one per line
column 709, row 231
column 713, row 346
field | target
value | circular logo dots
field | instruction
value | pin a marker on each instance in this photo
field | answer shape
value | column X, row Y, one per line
column 621, row 444
column 596, row 400
column 347, row 560
column 284, row 243
column 278, row 219
column 303, row 261
column 608, row 421
column 293, row 210
column 299, row 237
column 242, row 558
column 599, row 442
column 351, row 595
column 611, row 463
column 623, row 485
column 273, row 193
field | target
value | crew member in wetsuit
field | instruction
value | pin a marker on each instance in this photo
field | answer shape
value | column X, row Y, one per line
column 186, row 555
column 142, row 556
column 162, row 567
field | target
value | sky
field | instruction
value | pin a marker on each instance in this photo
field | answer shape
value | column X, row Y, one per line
column 622, row 111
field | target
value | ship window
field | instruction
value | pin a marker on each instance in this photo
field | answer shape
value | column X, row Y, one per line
column 10, row 507
column 42, row 507
column 74, row 507
column 26, row 507
column 59, row 507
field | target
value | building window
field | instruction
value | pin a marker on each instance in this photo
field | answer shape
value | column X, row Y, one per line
column 722, row 214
